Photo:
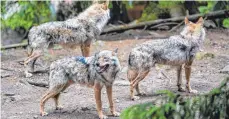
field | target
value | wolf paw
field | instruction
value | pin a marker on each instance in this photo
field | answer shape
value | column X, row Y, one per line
column 181, row 89
column 135, row 98
column 60, row 107
column 193, row 91
column 103, row 117
column 44, row 113
column 115, row 114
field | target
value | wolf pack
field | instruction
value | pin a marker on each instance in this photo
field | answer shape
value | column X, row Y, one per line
column 102, row 68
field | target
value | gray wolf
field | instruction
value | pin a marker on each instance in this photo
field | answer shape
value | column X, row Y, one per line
column 176, row 50
column 95, row 71
column 80, row 30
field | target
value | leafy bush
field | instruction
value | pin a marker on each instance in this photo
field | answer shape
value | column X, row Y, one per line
column 226, row 23
column 150, row 12
column 214, row 105
column 208, row 8
column 30, row 13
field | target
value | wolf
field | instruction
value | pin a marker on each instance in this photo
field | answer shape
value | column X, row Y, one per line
column 95, row 71
column 176, row 50
column 80, row 30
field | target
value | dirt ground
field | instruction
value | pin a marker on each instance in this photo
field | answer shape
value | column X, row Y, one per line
column 20, row 100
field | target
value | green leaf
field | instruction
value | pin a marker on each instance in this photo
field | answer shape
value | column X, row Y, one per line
column 226, row 23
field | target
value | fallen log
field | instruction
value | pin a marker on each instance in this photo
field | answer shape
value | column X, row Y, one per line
column 14, row 46
column 148, row 24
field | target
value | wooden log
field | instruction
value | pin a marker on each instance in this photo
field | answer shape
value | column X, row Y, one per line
column 14, row 45
column 210, row 15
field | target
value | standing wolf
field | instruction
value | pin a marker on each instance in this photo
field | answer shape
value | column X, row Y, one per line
column 95, row 71
column 80, row 30
column 176, row 50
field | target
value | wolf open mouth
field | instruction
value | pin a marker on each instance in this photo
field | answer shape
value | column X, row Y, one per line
column 103, row 68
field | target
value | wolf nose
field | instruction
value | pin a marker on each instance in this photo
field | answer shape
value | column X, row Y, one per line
column 97, row 64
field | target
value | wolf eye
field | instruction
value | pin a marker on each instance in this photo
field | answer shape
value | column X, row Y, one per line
column 98, row 20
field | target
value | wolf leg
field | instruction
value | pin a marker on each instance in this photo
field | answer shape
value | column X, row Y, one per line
column 32, row 58
column 187, row 75
column 138, row 90
column 140, row 77
column 50, row 94
column 179, row 79
column 131, row 75
column 85, row 48
column 111, row 102
column 97, row 91
column 56, row 98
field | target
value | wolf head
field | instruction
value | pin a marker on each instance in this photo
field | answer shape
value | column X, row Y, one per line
column 107, row 62
column 98, row 13
column 193, row 31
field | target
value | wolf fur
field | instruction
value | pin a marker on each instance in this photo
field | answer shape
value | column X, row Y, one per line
column 99, row 70
column 80, row 30
column 175, row 50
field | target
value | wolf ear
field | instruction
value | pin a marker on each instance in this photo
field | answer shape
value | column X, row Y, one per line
column 200, row 21
column 115, row 52
column 186, row 21
column 105, row 5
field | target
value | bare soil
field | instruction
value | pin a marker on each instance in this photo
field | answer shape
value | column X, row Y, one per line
column 21, row 101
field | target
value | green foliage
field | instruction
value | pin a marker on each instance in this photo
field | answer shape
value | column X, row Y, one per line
column 31, row 13
column 151, row 12
column 213, row 105
column 128, row 5
column 226, row 23
column 171, row 4
column 208, row 8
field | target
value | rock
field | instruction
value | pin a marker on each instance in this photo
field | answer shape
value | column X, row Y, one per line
column 209, row 24
column 35, row 117
column 225, row 70
column 9, row 94
column 85, row 108
column 117, row 101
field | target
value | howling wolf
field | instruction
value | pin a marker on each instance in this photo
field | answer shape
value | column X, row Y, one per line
column 80, row 30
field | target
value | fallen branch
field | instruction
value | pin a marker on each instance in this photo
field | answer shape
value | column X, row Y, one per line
column 14, row 46
column 210, row 15
column 6, row 69
column 176, row 27
column 164, row 24
column 5, row 76
column 39, row 84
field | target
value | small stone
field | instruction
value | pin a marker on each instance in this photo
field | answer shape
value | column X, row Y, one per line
column 117, row 101
column 35, row 117
column 85, row 108
column 225, row 70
